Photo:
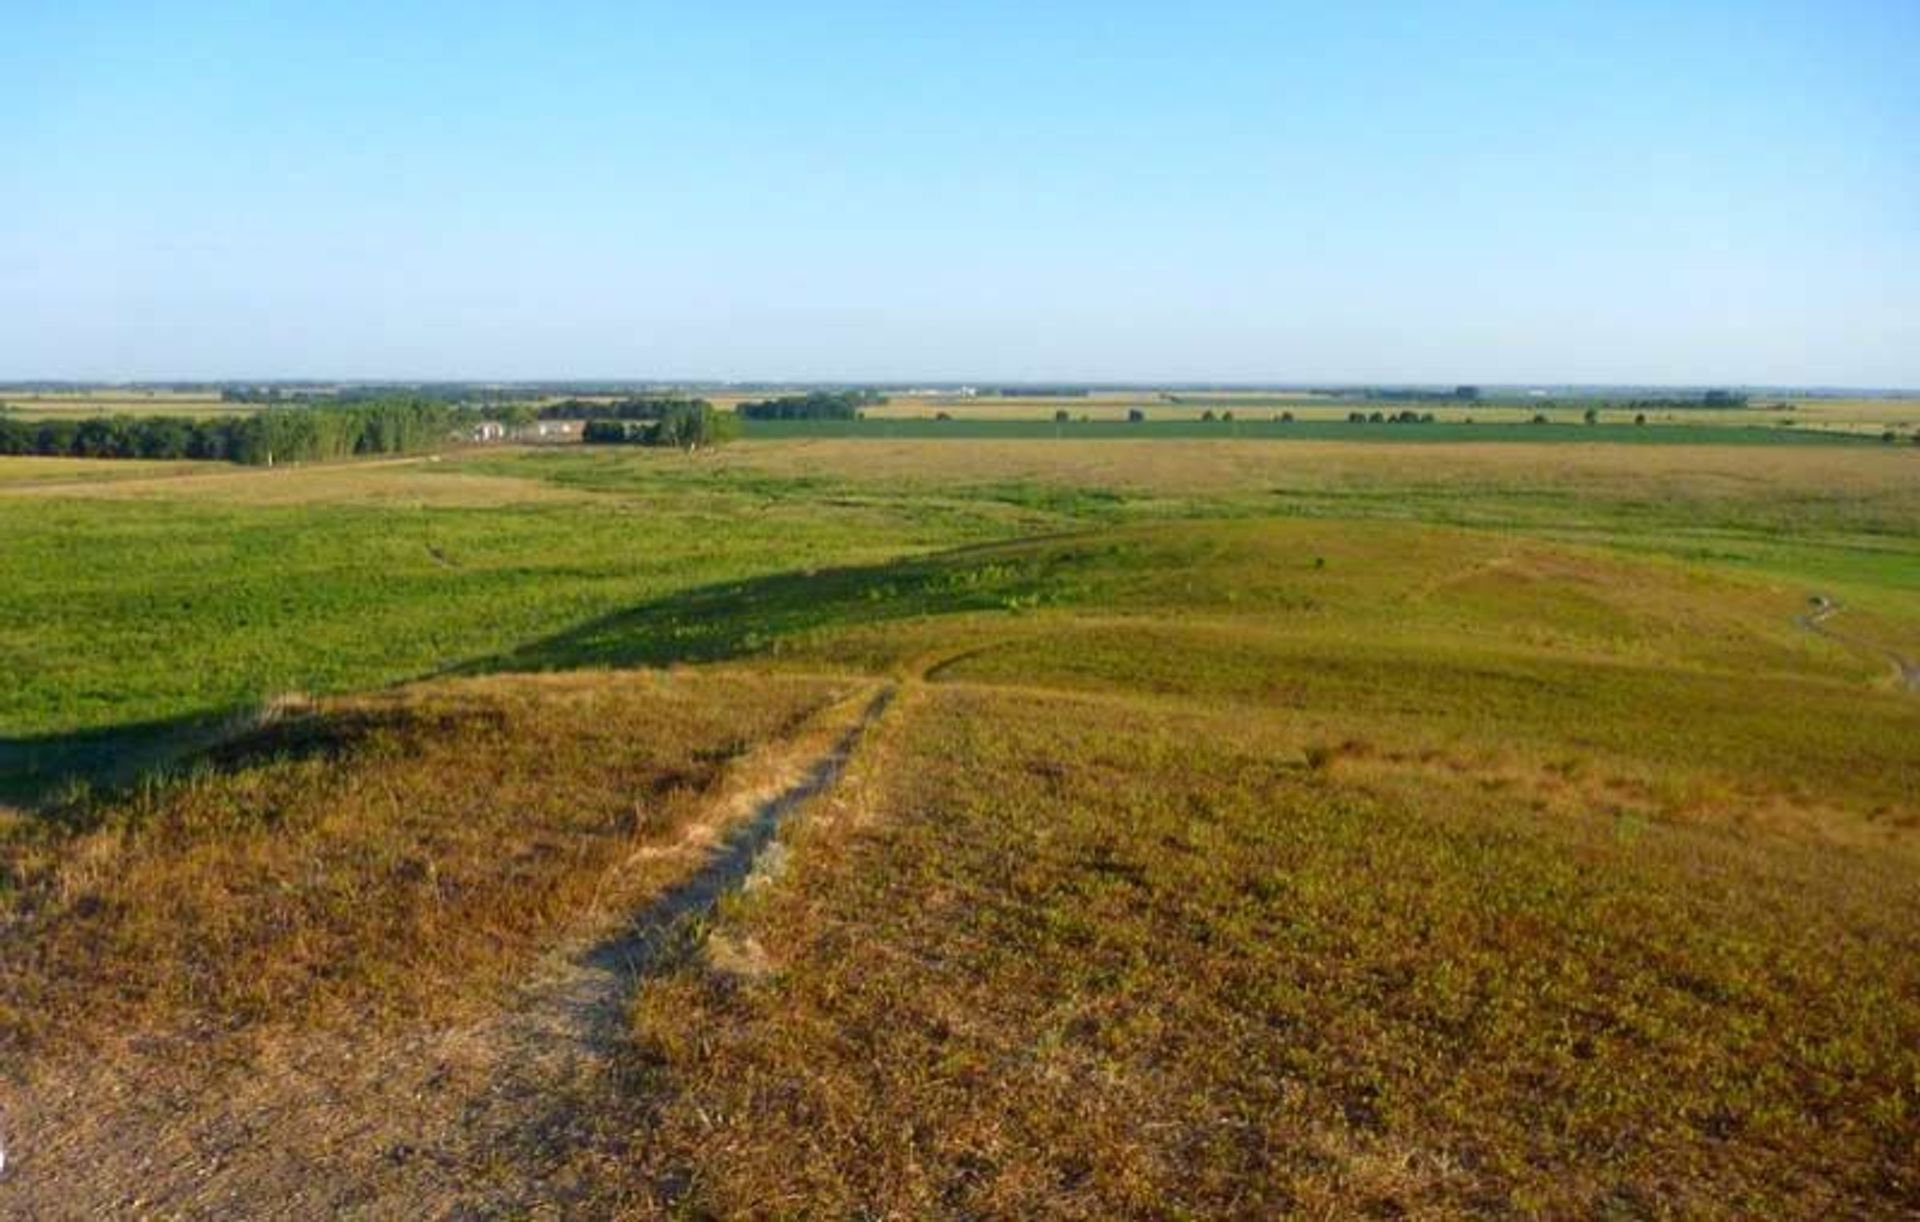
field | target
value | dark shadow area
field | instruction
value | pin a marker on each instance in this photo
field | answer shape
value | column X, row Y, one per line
column 35, row 769
column 53, row 769
column 710, row 624
column 737, row 619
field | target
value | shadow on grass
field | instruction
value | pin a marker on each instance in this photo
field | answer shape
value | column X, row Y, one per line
column 710, row 624
column 38, row 769
column 738, row 619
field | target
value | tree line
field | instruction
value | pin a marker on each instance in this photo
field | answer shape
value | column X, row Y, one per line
column 638, row 407
column 815, row 405
column 287, row 434
column 688, row 424
column 1400, row 417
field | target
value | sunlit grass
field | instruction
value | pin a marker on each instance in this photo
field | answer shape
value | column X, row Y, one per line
column 1088, row 959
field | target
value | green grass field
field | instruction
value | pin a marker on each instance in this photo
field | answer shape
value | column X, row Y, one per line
column 1226, row 828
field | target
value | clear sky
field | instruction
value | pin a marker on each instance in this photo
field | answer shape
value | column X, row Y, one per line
column 1508, row 190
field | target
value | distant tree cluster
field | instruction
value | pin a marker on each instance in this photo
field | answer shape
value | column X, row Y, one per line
column 815, row 405
column 638, row 407
column 1040, row 392
column 1400, row 394
column 1712, row 398
column 687, row 424
column 286, row 434
column 1400, row 417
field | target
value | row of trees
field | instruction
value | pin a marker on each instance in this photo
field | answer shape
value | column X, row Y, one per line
column 816, row 405
column 275, row 435
column 1401, row 394
column 691, row 424
column 640, row 407
column 1401, row 417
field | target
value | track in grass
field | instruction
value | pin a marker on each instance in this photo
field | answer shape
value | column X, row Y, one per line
column 1906, row 671
column 531, row 1103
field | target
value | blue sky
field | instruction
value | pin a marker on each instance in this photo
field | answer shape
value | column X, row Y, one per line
column 1492, row 191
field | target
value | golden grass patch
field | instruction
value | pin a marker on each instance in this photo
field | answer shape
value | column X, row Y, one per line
column 1085, row 960
column 401, row 481
column 1172, row 466
column 373, row 856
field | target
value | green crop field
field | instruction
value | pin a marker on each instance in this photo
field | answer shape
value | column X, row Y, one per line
column 963, row 818
column 1188, row 426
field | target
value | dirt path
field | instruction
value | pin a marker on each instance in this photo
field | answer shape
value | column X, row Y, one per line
column 1906, row 671
column 531, row 1110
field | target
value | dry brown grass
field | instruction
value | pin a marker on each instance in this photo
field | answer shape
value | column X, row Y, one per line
column 398, row 481
column 372, row 858
column 1079, row 959
column 1690, row 473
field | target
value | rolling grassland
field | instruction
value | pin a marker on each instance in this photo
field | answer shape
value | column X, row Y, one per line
column 901, row 829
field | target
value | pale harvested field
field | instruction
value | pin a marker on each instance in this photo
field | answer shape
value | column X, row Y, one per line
column 402, row 481
column 1856, row 415
column 43, row 406
column 1187, row 467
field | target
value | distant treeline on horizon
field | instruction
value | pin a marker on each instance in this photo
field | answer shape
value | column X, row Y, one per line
column 313, row 430
column 305, row 434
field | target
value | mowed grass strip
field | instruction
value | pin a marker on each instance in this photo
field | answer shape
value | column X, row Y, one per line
column 1084, row 958
column 361, row 860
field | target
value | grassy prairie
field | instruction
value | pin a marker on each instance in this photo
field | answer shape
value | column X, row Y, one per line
column 132, row 604
column 141, row 601
column 1254, row 828
column 34, row 474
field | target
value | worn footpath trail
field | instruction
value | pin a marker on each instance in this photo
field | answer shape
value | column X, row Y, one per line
column 1906, row 671
column 529, row 1110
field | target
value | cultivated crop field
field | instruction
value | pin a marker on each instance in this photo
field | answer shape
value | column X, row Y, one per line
column 1828, row 413
column 54, row 404
column 901, row 826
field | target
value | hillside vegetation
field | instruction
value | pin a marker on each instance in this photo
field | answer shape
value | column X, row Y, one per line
column 1162, row 828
